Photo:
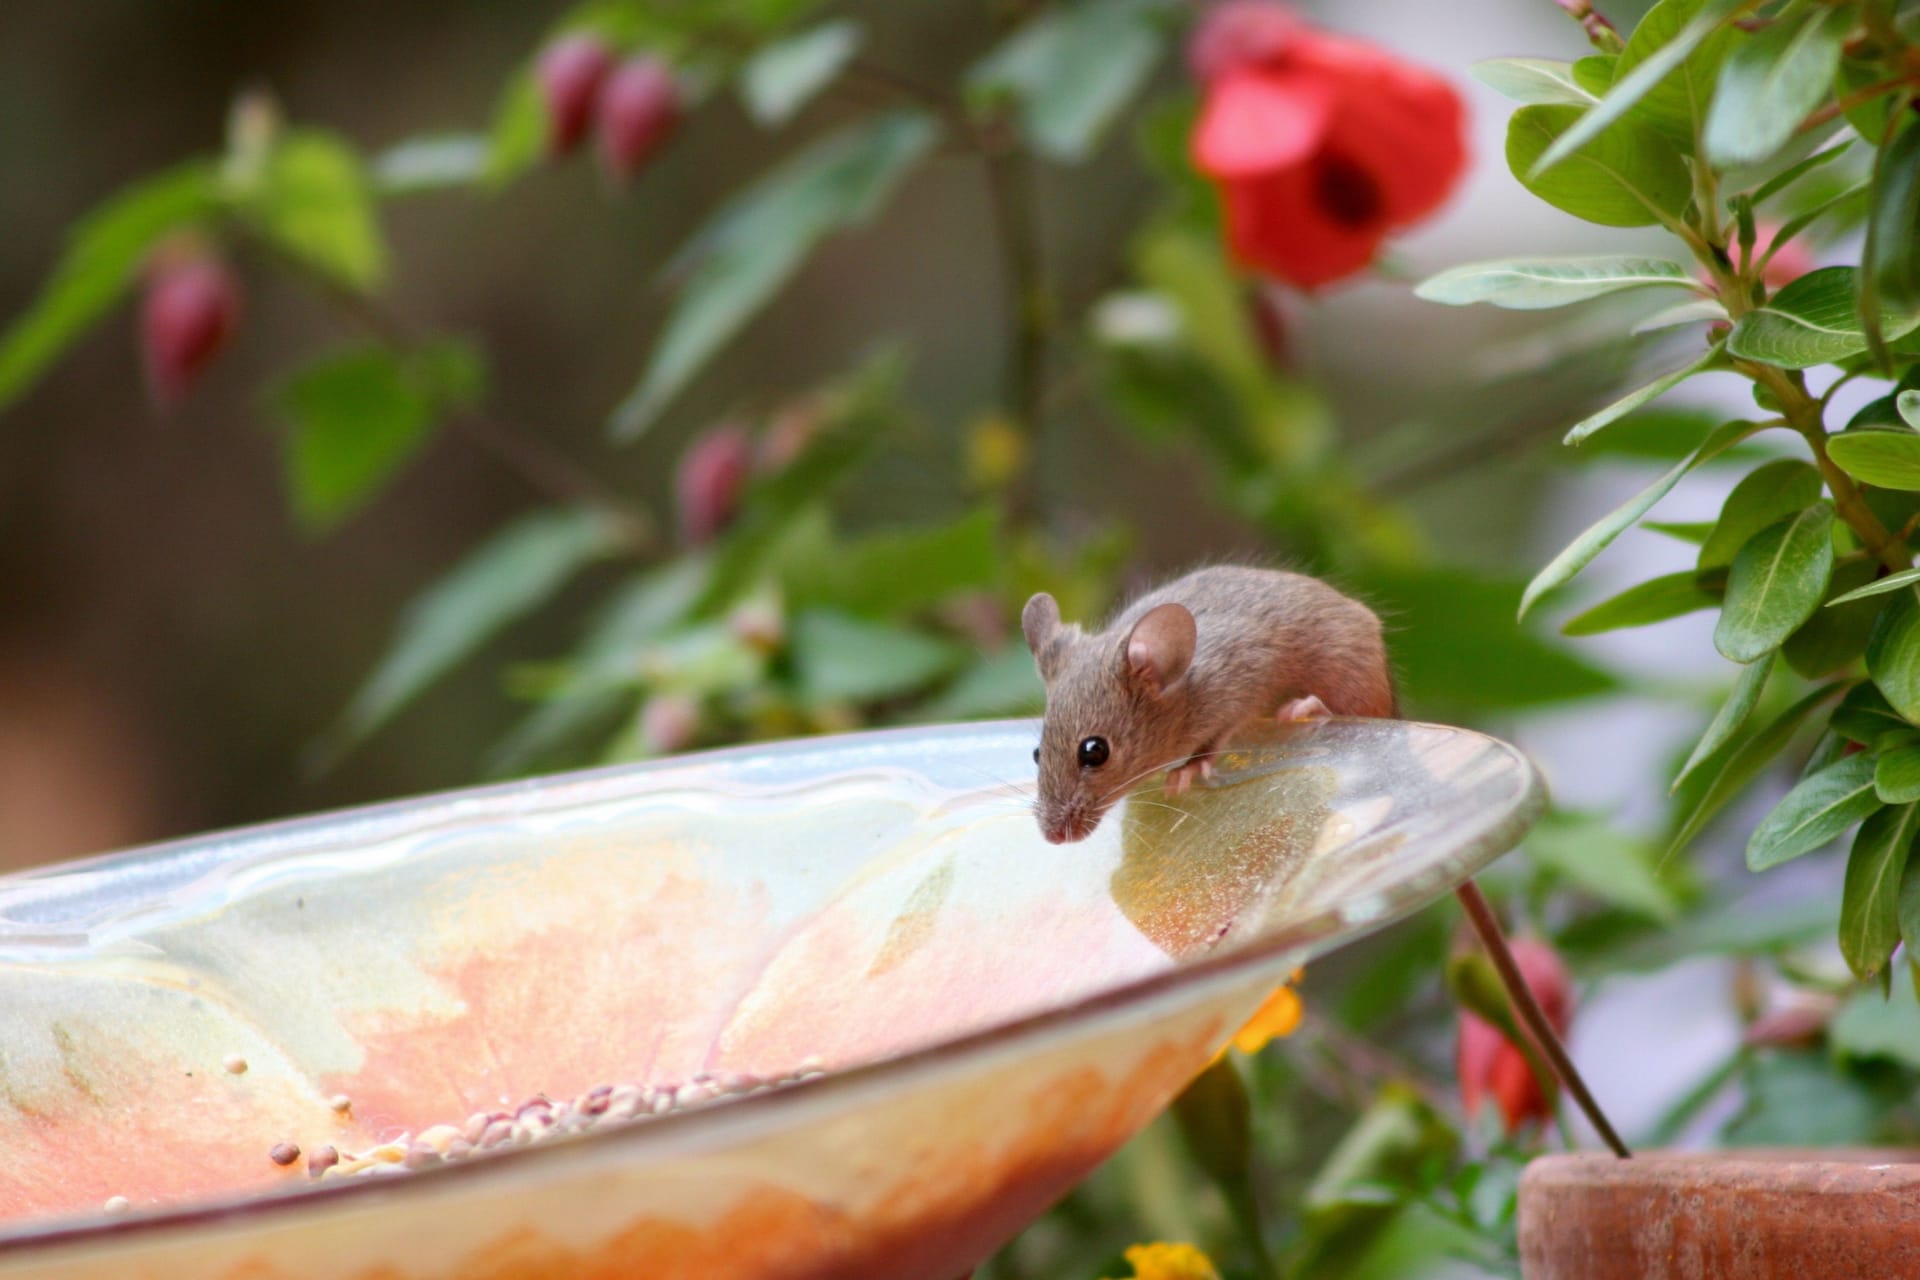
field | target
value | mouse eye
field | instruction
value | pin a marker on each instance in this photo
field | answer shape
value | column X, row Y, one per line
column 1036, row 755
column 1093, row 753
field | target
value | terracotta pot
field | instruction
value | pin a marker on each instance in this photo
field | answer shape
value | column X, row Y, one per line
column 1755, row 1215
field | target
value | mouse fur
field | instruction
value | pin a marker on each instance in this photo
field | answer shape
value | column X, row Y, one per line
column 1177, row 672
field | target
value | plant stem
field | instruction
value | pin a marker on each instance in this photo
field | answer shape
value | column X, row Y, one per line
column 1859, row 97
column 1532, row 1019
column 1010, row 188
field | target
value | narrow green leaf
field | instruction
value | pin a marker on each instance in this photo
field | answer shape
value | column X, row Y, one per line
column 1770, row 492
column 1533, row 284
column 895, row 572
column 1907, row 404
column 1865, row 716
column 1669, row 596
column 1742, row 765
column 839, row 658
column 1626, row 177
column 1812, row 321
column 1770, row 82
column 1776, row 583
column 1907, row 909
column 1870, row 896
column 1635, row 399
column 1693, row 532
column 783, row 77
column 1891, row 259
column 1731, row 717
column 102, row 256
column 506, row 577
column 1896, row 775
column 430, row 164
column 1892, row 582
column 1886, row 459
column 1834, row 638
column 759, row 240
column 1581, row 551
column 1658, row 71
column 1532, row 81
column 518, row 135
column 314, row 199
column 1072, row 69
column 1793, row 173
column 1814, row 813
column 1893, row 653
column 1696, row 311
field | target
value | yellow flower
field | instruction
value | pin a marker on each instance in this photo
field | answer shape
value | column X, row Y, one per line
column 1170, row 1262
column 1279, row 1016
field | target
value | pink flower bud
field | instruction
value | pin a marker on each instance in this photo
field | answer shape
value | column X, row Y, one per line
column 713, row 473
column 191, row 307
column 639, row 107
column 1239, row 33
column 1490, row 1065
column 570, row 72
column 669, row 722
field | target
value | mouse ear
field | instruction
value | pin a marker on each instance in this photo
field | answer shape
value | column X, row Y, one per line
column 1160, row 646
column 1040, row 620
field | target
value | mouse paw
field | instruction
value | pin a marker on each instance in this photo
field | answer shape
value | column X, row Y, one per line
column 1182, row 777
column 1307, row 708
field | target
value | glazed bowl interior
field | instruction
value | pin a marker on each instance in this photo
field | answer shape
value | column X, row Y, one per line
column 993, row 1014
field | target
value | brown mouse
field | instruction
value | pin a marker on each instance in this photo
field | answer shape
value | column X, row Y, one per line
column 1183, row 668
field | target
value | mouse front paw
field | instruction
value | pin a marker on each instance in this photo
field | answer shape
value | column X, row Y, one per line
column 1307, row 708
column 1183, row 776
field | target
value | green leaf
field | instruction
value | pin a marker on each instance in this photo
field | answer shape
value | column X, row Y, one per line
column 1771, row 81
column 103, row 254
column 899, row 571
column 1692, row 532
column 1640, row 396
column 1072, row 69
column 518, row 136
column 1745, row 763
column 759, row 240
column 1594, row 73
column 355, row 417
column 1532, row 81
column 1865, row 716
column 1869, row 1025
column 1908, row 909
column 1005, row 684
column 1668, row 596
column 1892, row 582
column 1834, row 638
column 1596, row 857
column 1811, row 321
column 1891, row 259
column 1799, row 1100
column 1870, row 897
column 1893, row 653
column 1769, row 493
column 1533, row 284
column 1731, row 717
column 839, row 658
column 430, row 164
column 1581, row 551
column 508, row 576
column 1695, row 311
column 1626, row 177
column 1815, row 812
column 1793, row 173
column 1666, row 72
column 314, row 200
column 1907, row 404
column 1896, row 775
column 1777, row 581
column 1887, row 459
column 780, row 79
column 1456, row 647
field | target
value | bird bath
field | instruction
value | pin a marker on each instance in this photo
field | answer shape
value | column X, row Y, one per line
column 993, row 1016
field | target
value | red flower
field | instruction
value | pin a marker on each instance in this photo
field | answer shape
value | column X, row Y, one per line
column 191, row 306
column 1491, row 1065
column 570, row 72
column 712, row 476
column 639, row 108
column 1321, row 145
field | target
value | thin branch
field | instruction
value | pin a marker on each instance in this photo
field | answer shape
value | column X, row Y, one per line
column 1010, row 188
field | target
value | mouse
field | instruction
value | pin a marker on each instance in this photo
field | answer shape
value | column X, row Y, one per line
column 1176, row 673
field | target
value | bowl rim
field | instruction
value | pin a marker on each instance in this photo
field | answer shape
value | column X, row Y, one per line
column 1299, row 942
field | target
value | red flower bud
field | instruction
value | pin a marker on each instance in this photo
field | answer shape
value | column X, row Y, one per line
column 639, row 107
column 1490, row 1065
column 570, row 72
column 668, row 723
column 1321, row 146
column 713, row 473
column 191, row 306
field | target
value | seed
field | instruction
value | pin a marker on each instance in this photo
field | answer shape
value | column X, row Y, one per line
column 284, row 1153
column 340, row 1102
column 321, row 1159
column 235, row 1064
column 476, row 1126
column 497, row 1132
column 116, row 1204
column 438, row 1138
